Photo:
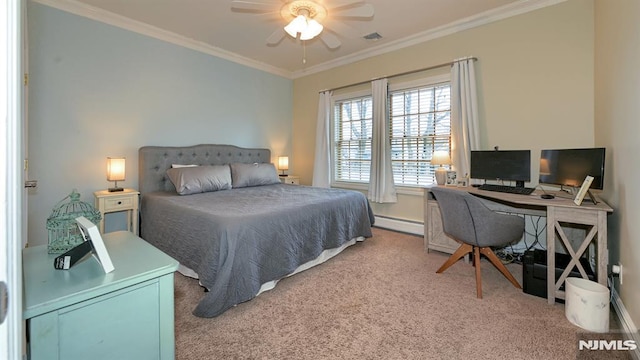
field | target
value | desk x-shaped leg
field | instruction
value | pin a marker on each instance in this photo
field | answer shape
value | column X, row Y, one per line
column 598, row 232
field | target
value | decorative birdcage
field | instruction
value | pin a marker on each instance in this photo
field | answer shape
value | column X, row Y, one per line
column 61, row 224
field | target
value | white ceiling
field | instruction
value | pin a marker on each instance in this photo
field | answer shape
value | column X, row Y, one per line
column 212, row 26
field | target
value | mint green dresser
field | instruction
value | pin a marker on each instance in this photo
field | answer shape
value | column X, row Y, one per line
column 83, row 313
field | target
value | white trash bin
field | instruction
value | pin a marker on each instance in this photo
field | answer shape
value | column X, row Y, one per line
column 587, row 304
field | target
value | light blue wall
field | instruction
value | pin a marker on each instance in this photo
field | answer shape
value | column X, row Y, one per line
column 96, row 91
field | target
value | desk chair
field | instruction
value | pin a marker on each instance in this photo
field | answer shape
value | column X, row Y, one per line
column 466, row 219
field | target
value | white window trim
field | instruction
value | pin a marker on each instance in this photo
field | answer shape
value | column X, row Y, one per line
column 400, row 189
column 431, row 80
column 341, row 183
column 428, row 81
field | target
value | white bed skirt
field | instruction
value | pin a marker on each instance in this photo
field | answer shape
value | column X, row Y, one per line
column 324, row 256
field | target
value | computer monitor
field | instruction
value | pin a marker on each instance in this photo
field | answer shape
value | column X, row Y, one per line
column 507, row 165
column 569, row 167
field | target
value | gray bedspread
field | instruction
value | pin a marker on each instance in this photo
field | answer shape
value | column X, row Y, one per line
column 238, row 239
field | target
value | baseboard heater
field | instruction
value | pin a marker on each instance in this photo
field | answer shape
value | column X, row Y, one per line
column 406, row 226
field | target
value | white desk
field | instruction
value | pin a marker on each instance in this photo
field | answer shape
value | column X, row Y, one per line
column 560, row 210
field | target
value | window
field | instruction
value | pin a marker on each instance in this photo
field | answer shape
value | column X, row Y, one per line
column 420, row 124
column 352, row 139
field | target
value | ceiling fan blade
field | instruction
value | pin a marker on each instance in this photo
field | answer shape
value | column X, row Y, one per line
column 276, row 37
column 252, row 6
column 336, row 4
column 364, row 11
column 330, row 40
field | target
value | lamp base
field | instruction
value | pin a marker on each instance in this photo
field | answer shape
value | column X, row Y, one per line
column 115, row 189
column 441, row 175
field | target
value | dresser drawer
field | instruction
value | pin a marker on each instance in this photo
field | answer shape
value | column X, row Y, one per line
column 118, row 203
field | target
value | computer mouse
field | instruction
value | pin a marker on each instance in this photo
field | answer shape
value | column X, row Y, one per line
column 547, row 196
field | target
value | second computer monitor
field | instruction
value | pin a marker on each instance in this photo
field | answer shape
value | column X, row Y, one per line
column 569, row 167
column 506, row 165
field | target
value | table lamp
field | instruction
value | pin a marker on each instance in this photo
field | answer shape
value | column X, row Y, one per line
column 115, row 172
column 283, row 164
column 441, row 158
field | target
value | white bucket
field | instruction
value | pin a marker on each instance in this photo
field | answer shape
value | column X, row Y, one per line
column 587, row 304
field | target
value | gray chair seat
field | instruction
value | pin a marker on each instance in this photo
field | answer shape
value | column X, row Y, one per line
column 466, row 219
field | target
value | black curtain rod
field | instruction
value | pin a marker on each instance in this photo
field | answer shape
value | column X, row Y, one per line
column 399, row 74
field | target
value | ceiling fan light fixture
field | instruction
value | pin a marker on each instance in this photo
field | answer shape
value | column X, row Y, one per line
column 313, row 29
column 297, row 25
column 307, row 28
column 305, row 15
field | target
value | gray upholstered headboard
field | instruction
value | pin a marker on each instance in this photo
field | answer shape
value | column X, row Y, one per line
column 154, row 161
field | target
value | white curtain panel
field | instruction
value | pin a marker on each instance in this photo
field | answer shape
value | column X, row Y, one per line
column 322, row 162
column 464, row 115
column 381, row 186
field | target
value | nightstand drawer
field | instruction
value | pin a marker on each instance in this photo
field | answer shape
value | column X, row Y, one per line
column 294, row 180
column 118, row 203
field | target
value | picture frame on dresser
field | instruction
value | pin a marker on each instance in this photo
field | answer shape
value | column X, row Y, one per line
column 90, row 233
column 451, row 178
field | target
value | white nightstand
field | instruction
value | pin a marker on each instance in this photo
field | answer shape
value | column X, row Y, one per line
column 127, row 200
column 290, row 179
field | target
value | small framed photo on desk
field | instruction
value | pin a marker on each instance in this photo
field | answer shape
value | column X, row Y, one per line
column 451, row 179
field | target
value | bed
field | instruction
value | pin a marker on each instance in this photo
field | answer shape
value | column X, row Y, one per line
column 240, row 232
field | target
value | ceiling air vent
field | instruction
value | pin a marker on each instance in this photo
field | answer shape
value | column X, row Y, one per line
column 374, row 36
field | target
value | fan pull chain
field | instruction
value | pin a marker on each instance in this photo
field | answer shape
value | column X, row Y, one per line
column 304, row 52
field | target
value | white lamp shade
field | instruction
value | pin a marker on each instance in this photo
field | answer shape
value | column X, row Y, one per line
column 297, row 25
column 313, row 29
column 307, row 28
column 115, row 169
column 441, row 158
column 283, row 163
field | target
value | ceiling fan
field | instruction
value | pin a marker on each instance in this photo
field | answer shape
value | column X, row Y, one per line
column 304, row 18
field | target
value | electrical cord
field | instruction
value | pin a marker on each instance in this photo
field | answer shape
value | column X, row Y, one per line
column 515, row 255
column 505, row 257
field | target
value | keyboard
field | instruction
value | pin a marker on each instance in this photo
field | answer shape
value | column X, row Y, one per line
column 507, row 189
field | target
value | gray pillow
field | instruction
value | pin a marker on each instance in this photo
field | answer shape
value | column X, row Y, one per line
column 199, row 179
column 244, row 175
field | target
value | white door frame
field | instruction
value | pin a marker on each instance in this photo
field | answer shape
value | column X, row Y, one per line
column 11, row 177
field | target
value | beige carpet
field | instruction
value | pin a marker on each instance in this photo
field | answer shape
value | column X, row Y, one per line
column 381, row 299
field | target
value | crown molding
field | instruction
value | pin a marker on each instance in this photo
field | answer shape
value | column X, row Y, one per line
column 97, row 14
column 487, row 17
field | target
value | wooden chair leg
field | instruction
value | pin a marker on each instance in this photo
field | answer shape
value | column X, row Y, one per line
column 500, row 266
column 463, row 250
column 476, row 259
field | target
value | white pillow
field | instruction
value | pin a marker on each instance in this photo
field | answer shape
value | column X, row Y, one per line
column 181, row 165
